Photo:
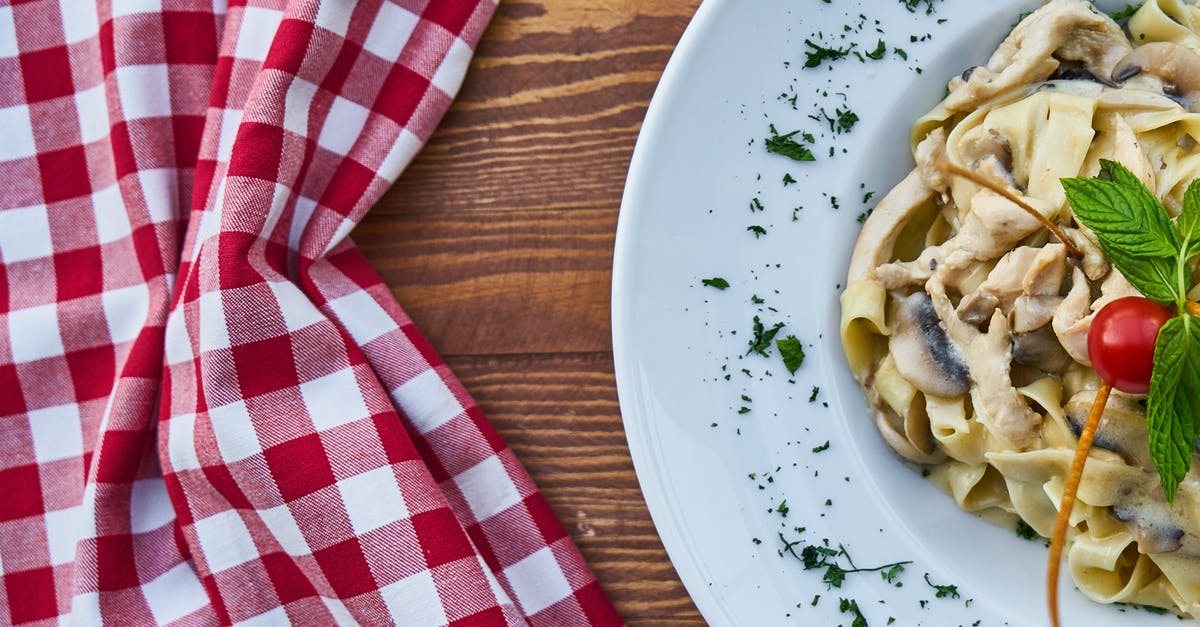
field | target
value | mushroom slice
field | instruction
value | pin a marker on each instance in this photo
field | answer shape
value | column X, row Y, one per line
column 1040, row 349
column 1154, row 533
column 1122, row 428
column 924, row 354
column 1176, row 66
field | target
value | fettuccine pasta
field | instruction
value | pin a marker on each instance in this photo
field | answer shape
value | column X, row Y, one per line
column 966, row 321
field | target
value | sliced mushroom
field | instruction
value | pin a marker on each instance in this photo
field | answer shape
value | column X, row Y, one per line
column 1078, row 72
column 1122, row 428
column 1176, row 66
column 1155, row 533
column 924, row 354
column 1040, row 349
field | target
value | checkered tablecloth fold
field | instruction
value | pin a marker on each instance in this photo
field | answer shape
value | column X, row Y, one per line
column 211, row 408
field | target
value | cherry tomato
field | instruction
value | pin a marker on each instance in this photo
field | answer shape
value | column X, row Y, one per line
column 1121, row 342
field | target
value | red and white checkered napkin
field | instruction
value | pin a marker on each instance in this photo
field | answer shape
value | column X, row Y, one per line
column 211, row 409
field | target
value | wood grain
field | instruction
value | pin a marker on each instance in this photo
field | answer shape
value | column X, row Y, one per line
column 498, row 242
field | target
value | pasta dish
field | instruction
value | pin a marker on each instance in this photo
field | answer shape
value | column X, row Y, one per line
column 965, row 320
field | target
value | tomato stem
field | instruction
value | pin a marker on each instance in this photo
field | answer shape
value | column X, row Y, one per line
column 1074, row 475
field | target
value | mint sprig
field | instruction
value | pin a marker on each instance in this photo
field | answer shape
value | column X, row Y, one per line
column 1132, row 226
column 1173, row 409
column 1155, row 255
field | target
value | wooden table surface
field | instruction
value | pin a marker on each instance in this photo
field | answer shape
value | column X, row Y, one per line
column 498, row 242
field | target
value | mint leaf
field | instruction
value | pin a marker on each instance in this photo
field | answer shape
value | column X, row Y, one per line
column 1117, row 172
column 792, row 353
column 716, row 282
column 1173, row 408
column 1133, row 229
column 1189, row 221
column 1123, row 212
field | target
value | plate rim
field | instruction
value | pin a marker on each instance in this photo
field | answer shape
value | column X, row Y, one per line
column 666, row 523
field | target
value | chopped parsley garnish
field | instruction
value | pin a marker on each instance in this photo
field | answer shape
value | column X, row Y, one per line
column 788, row 147
column 819, row 54
column 816, row 556
column 1125, row 13
column 879, row 51
column 942, row 592
column 756, row 205
column 890, row 574
column 820, row 449
column 913, row 5
column 850, row 606
column 787, row 179
column 744, row 410
column 846, row 120
column 792, row 353
column 757, row 230
column 1025, row 531
column 756, row 300
column 901, row 53
column 761, row 342
column 783, row 508
column 716, row 282
column 812, row 398
column 842, row 120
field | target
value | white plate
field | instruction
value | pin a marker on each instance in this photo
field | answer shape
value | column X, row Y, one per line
column 684, row 218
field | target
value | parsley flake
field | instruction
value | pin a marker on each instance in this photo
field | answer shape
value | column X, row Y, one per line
column 850, row 606
column 878, row 52
column 792, row 353
column 942, row 592
column 820, row 54
column 788, row 147
column 1026, row 532
column 761, row 342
